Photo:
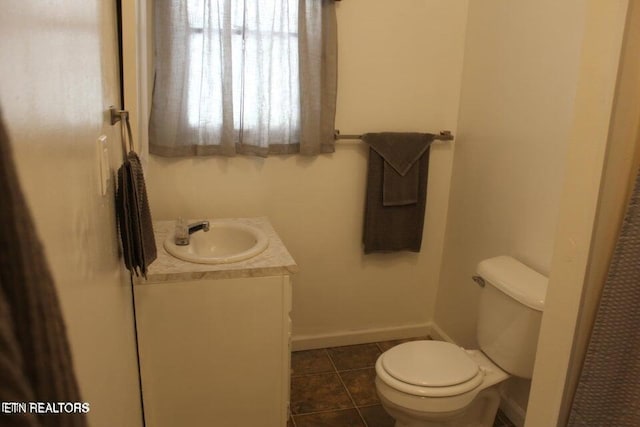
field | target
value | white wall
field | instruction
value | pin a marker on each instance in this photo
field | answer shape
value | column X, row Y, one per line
column 399, row 70
column 521, row 66
column 58, row 76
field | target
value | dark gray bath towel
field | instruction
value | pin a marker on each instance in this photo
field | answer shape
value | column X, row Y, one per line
column 35, row 360
column 396, row 191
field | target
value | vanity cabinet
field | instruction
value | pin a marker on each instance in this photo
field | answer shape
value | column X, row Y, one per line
column 214, row 344
column 215, row 352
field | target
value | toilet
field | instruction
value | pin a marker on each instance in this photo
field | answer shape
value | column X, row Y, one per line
column 439, row 384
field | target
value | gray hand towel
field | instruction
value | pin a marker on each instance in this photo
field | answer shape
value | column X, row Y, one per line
column 134, row 217
column 397, row 224
column 400, row 152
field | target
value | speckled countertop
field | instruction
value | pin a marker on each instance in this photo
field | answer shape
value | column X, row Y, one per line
column 275, row 260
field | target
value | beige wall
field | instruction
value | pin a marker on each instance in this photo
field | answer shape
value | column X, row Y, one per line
column 58, row 76
column 516, row 109
column 399, row 70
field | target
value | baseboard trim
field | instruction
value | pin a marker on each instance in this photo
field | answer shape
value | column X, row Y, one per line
column 512, row 410
column 438, row 334
column 336, row 339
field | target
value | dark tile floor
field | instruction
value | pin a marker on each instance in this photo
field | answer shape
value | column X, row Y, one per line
column 334, row 387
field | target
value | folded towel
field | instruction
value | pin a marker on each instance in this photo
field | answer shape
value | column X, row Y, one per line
column 134, row 217
column 400, row 152
column 35, row 358
column 396, row 224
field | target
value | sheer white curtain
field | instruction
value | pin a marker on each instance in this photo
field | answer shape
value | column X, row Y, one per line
column 243, row 76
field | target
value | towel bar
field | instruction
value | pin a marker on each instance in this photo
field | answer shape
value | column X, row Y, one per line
column 444, row 135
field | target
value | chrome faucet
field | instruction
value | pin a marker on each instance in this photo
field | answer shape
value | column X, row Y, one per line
column 184, row 231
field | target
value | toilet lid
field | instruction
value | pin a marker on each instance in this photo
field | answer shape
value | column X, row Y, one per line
column 429, row 364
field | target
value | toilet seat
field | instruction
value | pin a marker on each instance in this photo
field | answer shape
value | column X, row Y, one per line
column 429, row 368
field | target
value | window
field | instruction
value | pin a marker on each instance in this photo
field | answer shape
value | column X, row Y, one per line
column 229, row 75
column 270, row 76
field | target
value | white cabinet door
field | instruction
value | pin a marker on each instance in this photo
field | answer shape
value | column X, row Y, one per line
column 215, row 352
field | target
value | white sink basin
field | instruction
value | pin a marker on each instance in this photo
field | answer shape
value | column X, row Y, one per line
column 226, row 241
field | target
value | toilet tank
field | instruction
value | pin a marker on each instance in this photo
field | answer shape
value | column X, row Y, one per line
column 511, row 305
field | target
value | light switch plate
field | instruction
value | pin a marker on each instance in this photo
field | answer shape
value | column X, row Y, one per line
column 104, row 166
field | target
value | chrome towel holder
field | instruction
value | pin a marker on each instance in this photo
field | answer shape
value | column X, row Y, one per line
column 122, row 116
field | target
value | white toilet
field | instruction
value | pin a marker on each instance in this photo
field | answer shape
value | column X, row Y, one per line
column 438, row 384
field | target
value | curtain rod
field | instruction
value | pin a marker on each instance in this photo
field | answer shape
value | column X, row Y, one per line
column 444, row 135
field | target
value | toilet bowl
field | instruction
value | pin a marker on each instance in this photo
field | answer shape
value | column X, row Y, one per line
column 438, row 384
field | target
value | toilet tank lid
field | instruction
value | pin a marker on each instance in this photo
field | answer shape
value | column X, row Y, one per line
column 515, row 279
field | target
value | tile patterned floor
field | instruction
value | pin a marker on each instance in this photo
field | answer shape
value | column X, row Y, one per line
column 334, row 387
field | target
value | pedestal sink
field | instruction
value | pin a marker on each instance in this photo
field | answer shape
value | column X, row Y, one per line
column 226, row 241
